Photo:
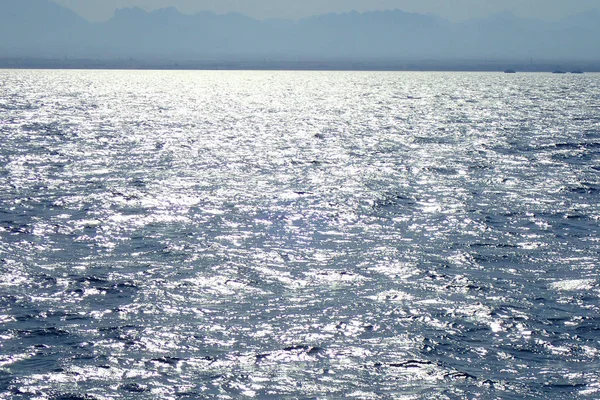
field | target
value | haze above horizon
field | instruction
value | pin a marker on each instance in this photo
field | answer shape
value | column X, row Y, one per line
column 458, row 10
column 44, row 30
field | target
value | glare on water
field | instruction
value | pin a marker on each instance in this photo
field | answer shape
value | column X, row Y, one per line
column 299, row 235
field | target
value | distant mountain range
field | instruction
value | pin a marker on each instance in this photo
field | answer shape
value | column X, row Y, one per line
column 41, row 28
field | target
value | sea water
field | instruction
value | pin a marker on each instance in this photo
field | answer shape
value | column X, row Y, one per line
column 299, row 235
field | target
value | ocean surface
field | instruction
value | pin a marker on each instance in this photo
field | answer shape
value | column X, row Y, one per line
column 299, row 235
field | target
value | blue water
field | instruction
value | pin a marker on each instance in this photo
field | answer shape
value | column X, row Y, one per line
column 299, row 235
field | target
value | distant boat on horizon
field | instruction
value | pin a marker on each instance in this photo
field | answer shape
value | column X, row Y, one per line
column 558, row 71
column 577, row 71
column 510, row 71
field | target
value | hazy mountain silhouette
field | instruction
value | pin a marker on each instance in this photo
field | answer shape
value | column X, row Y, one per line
column 504, row 35
column 40, row 28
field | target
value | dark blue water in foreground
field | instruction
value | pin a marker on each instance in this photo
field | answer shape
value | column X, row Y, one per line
column 292, row 235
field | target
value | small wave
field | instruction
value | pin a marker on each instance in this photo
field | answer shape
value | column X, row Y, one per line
column 573, row 285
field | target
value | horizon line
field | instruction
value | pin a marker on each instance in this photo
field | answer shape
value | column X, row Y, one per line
column 414, row 65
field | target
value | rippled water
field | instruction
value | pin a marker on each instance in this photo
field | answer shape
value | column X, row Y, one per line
column 299, row 235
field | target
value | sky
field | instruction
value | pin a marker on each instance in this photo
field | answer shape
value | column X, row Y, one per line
column 455, row 10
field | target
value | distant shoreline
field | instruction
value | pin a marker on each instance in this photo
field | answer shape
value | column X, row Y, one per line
column 325, row 65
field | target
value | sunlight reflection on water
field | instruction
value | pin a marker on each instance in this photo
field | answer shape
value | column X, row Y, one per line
column 298, row 235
